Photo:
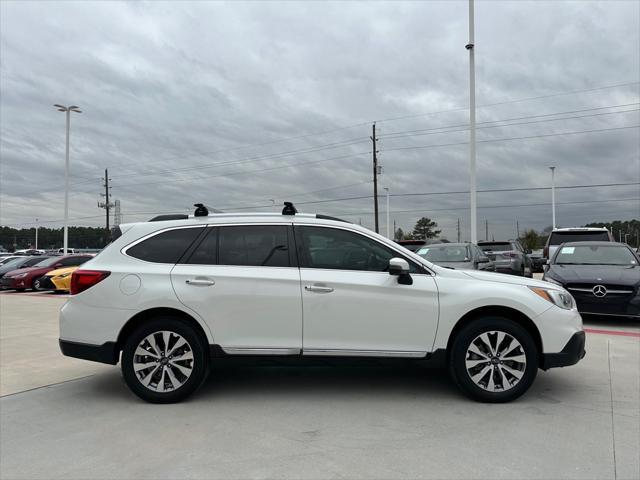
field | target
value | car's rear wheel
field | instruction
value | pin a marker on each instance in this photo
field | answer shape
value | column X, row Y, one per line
column 165, row 360
column 494, row 360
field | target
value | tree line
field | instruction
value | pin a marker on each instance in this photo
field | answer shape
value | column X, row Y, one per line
column 51, row 238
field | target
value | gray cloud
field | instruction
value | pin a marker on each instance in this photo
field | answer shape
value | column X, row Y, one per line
column 169, row 86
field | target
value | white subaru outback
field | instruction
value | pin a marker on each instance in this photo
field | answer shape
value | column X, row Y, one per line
column 170, row 296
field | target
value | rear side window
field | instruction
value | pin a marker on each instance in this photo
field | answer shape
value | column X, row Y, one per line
column 259, row 245
column 558, row 238
column 165, row 247
column 207, row 252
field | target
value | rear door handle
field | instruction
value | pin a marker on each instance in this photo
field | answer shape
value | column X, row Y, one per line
column 318, row 289
column 200, row 282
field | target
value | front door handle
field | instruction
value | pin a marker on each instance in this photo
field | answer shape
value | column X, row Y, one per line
column 318, row 289
column 200, row 282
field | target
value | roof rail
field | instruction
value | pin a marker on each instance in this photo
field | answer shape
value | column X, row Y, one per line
column 319, row 216
column 164, row 218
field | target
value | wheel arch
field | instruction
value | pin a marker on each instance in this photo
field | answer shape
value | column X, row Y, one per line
column 146, row 316
column 498, row 311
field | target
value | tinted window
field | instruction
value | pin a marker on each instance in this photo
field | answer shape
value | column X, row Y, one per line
column 73, row 261
column 260, row 245
column 563, row 237
column 166, row 247
column 343, row 250
column 496, row 246
column 206, row 252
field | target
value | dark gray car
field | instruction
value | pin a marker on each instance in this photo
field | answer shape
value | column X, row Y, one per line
column 21, row 262
column 457, row 255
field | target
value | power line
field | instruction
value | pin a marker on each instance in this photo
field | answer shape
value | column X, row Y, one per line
column 514, row 138
column 433, row 131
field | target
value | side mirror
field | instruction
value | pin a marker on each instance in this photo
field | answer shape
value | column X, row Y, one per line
column 398, row 266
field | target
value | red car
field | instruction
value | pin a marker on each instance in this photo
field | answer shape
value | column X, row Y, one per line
column 22, row 279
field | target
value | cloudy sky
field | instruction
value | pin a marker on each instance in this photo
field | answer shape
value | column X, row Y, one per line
column 243, row 105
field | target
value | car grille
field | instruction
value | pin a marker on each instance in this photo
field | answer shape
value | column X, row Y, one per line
column 588, row 288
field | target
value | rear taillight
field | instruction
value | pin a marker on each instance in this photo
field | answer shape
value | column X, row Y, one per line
column 81, row 280
column 509, row 254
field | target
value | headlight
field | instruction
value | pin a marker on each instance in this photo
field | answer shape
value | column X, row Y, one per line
column 559, row 298
column 64, row 275
column 22, row 275
column 552, row 280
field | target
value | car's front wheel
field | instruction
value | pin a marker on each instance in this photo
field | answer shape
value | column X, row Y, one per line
column 165, row 361
column 493, row 359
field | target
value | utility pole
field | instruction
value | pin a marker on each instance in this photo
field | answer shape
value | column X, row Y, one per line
column 375, row 178
column 517, row 229
column 388, row 223
column 107, row 194
column 36, row 234
column 472, row 126
column 486, row 229
column 458, row 230
column 394, row 230
column 553, row 196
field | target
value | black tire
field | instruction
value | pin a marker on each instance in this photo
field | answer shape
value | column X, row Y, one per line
column 199, row 365
column 458, row 358
column 35, row 286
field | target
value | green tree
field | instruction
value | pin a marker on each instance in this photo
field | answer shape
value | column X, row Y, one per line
column 530, row 240
column 425, row 228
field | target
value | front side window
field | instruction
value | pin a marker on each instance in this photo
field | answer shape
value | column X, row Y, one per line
column 254, row 245
column 165, row 247
column 343, row 250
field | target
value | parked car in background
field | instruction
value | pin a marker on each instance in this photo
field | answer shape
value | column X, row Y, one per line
column 537, row 260
column 19, row 263
column 582, row 234
column 23, row 279
column 69, row 251
column 58, row 280
column 30, row 251
column 8, row 258
column 457, row 255
column 412, row 245
column 603, row 277
column 509, row 257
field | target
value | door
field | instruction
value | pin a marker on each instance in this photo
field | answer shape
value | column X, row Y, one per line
column 352, row 306
column 244, row 282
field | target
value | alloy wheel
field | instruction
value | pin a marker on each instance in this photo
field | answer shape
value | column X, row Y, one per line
column 495, row 361
column 163, row 361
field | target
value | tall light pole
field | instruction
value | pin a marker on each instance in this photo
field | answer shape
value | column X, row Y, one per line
column 553, row 196
column 36, row 247
column 67, row 110
column 472, row 127
column 386, row 189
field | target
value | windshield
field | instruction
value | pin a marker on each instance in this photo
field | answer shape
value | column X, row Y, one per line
column 47, row 262
column 495, row 247
column 15, row 261
column 595, row 255
column 444, row 253
column 558, row 238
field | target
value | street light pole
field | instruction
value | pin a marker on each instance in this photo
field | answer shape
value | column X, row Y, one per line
column 36, row 234
column 553, row 196
column 472, row 126
column 387, row 190
column 67, row 110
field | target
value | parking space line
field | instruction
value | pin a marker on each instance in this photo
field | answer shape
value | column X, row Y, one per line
column 612, row 332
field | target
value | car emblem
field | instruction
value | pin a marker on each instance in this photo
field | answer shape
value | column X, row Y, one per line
column 599, row 291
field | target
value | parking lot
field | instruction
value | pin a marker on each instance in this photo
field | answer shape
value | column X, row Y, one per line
column 64, row 418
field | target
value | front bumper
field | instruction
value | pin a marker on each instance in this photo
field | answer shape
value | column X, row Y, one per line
column 571, row 354
column 105, row 353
